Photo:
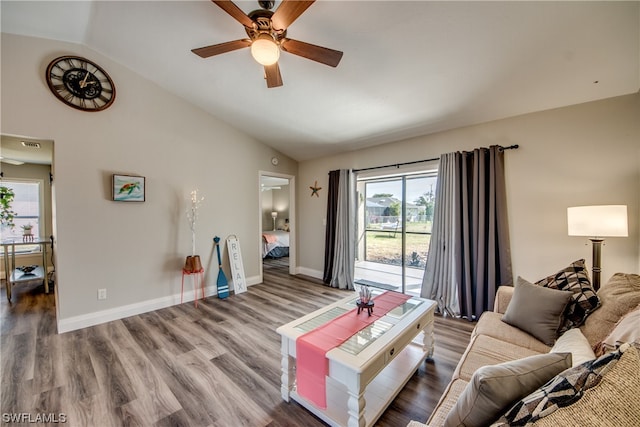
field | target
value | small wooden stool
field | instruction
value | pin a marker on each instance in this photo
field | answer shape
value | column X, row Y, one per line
column 362, row 305
column 199, row 275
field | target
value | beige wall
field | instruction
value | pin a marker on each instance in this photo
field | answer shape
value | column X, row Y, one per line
column 281, row 205
column 134, row 250
column 587, row 154
column 275, row 201
column 580, row 155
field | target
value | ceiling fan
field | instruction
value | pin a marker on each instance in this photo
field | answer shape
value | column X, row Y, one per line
column 267, row 31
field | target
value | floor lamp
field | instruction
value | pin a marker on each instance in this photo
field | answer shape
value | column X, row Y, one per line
column 597, row 222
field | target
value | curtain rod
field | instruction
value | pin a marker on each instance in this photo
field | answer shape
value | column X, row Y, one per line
column 397, row 165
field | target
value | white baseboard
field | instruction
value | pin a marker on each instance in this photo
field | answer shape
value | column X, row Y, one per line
column 116, row 313
column 254, row 280
column 316, row 274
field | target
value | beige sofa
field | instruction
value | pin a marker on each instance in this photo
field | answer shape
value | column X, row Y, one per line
column 494, row 341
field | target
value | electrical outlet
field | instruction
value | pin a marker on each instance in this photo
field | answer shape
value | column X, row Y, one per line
column 102, row 294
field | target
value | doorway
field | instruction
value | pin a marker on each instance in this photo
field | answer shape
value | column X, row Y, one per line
column 26, row 166
column 394, row 229
column 277, row 221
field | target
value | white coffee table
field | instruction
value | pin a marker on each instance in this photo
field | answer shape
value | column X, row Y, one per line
column 367, row 371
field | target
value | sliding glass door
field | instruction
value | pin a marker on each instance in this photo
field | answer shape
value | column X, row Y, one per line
column 394, row 228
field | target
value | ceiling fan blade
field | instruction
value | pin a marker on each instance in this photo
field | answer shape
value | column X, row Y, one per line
column 235, row 12
column 217, row 49
column 320, row 54
column 287, row 12
column 272, row 74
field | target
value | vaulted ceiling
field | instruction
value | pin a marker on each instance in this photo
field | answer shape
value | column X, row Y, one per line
column 409, row 68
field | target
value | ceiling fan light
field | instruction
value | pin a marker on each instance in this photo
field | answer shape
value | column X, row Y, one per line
column 265, row 50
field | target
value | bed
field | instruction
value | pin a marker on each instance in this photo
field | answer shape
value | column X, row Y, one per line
column 275, row 244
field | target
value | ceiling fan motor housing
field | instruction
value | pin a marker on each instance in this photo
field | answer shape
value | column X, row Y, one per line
column 262, row 20
column 266, row 4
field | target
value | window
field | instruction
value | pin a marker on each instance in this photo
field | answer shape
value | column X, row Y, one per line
column 27, row 206
column 394, row 228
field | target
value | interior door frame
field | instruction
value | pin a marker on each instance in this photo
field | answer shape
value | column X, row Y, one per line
column 53, row 232
column 292, row 219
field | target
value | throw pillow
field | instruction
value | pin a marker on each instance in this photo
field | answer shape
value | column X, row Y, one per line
column 619, row 296
column 574, row 278
column 627, row 330
column 537, row 310
column 607, row 388
column 575, row 343
column 493, row 389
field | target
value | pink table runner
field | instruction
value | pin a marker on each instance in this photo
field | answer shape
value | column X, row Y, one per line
column 311, row 364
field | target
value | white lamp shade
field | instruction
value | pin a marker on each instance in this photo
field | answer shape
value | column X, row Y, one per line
column 265, row 50
column 598, row 221
column 274, row 215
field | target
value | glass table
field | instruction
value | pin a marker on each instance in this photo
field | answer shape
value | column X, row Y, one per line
column 370, row 368
column 14, row 274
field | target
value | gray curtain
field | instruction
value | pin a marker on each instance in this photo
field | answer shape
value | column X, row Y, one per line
column 345, row 233
column 330, row 231
column 439, row 281
column 469, row 252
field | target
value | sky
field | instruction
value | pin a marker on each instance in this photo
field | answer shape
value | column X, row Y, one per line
column 416, row 187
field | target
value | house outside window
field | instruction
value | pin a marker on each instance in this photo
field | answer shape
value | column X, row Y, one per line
column 395, row 216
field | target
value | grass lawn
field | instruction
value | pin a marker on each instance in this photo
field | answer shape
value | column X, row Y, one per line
column 386, row 247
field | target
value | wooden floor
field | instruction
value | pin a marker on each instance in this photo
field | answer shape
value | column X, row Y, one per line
column 215, row 365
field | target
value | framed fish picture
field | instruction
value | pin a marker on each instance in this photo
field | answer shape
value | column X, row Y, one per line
column 128, row 188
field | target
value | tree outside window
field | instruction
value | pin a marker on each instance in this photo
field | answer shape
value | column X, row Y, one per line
column 20, row 211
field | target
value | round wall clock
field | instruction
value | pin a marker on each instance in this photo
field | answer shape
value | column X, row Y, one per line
column 80, row 83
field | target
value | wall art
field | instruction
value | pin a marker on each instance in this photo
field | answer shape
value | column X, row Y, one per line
column 128, row 188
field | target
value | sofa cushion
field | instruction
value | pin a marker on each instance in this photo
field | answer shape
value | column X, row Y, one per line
column 537, row 310
column 485, row 350
column 503, row 298
column 493, row 389
column 575, row 343
column 491, row 324
column 574, row 278
column 602, row 392
column 619, row 296
column 626, row 330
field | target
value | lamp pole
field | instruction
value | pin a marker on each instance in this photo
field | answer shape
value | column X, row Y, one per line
column 596, row 254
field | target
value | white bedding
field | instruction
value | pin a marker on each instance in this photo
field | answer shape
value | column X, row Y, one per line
column 281, row 240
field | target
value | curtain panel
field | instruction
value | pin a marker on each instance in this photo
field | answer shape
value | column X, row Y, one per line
column 340, row 235
column 330, row 231
column 469, row 251
column 439, row 280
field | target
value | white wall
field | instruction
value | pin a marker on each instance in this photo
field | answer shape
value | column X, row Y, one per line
column 580, row 155
column 134, row 250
